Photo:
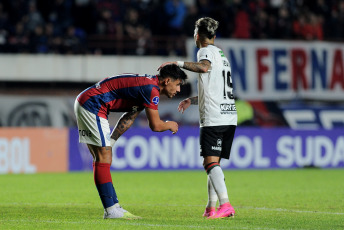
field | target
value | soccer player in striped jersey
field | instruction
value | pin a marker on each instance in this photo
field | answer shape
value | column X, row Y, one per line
column 218, row 115
column 128, row 93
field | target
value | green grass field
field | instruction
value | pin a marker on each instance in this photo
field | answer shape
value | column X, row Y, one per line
column 267, row 199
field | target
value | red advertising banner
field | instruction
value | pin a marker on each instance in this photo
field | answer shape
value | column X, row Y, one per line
column 33, row 150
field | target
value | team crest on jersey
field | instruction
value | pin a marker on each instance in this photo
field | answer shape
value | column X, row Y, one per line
column 155, row 100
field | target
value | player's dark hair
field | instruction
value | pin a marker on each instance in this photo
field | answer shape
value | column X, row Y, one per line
column 172, row 71
column 206, row 27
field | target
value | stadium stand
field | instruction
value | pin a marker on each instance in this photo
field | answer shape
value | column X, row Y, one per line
column 148, row 27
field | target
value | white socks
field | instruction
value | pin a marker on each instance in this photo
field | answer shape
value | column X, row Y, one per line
column 217, row 179
column 212, row 196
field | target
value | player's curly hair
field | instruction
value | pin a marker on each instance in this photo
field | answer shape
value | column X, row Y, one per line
column 172, row 71
column 207, row 27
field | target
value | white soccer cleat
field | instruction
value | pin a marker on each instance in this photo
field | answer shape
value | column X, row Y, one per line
column 120, row 213
column 113, row 214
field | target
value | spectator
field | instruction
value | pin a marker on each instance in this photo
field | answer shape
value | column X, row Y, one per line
column 54, row 40
column 72, row 41
column 61, row 15
column 38, row 40
column 242, row 25
column 34, row 18
column 283, row 24
column 308, row 27
column 261, row 29
column 176, row 12
column 136, row 32
column 337, row 22
column 19, row 39
column 107, row 24
column 4, row 24
column 140, row 19
column 189, row 21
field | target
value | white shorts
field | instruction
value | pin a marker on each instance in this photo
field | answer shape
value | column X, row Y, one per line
column 93, row 129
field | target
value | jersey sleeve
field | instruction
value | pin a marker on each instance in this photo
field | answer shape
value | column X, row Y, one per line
column 152, row 99
column 205, row 54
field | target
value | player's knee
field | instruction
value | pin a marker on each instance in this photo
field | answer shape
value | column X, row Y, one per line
column 210, row 166
column 103, row 154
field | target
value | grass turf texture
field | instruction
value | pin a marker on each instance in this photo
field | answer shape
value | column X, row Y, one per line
column 276, row 199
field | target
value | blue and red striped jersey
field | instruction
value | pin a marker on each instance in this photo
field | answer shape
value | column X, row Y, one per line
column 121, row 93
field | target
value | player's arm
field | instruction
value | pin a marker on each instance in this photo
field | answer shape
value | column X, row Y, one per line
column 184, row 104
column 157, row 125
column 199, row 67
column 123, row 124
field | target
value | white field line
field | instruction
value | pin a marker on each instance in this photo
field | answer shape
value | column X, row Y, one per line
column 174, row 205
column 291, row 210
column 127, row 223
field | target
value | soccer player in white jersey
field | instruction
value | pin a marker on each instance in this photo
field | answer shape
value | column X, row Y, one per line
column 218, row 115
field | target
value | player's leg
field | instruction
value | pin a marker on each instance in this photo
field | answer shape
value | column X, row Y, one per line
column 95, row 132
column 104, row 184
column 217, row 177
column 212, row 200
column 103, row 180
column 206, row 134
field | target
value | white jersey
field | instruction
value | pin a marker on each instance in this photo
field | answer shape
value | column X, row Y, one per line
column 215, row 90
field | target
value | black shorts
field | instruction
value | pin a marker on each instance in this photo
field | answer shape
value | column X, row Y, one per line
column 216, row 140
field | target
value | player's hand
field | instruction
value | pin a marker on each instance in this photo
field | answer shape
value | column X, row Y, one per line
column 184, row 104
column 173, row 126
column 167, row 63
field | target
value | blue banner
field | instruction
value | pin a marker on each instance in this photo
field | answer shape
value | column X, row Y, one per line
column 253, row 148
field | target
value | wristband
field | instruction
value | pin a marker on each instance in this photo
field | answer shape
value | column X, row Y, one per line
column 180, row 64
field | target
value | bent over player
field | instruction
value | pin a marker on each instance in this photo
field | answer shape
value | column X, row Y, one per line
column 218, row 115
column 129, row 93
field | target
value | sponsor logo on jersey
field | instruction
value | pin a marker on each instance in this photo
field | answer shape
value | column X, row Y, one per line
column 155, row 100
column 221, row 53
column 227, row 108
column 84, row 132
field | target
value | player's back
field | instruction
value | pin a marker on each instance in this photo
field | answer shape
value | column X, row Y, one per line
column 216, row 101
column 118, row 94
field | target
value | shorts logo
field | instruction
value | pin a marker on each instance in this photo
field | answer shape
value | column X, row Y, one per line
column 155, row 100
column 219, row 142
column 219, row 145
column 83, row 132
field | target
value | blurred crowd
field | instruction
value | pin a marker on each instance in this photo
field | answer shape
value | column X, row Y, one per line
column 72, row 26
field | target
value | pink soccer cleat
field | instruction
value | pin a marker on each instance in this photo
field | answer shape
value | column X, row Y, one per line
column 225, row 210
column 209, row 212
